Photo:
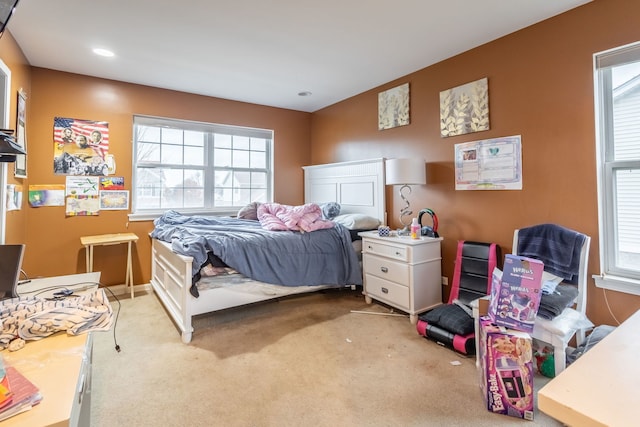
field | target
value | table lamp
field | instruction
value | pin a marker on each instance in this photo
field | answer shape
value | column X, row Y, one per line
column 405, row 172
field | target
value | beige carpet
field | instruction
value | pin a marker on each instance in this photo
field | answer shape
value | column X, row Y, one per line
column 305, row 361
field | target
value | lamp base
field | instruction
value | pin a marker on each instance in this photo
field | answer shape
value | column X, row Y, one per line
column 406, row 226
column 405, row 211
column 403, row 231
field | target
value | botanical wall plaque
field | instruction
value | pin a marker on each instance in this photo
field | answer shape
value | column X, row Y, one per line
column 393, row 107
column 465, row 109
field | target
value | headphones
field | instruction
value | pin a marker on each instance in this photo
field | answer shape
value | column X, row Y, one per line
column 429, row 231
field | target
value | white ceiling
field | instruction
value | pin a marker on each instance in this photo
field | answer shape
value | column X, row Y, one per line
column 264, row 52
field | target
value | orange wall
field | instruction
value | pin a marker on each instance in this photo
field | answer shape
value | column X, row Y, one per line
column 15, row 60
column 540, row 87
column 53, row 240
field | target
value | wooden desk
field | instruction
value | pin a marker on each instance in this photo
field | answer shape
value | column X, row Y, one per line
column 599, row 389
column 60, row 366
column 111, row 239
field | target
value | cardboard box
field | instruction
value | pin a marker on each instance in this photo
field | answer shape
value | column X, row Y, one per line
column 506, row 370
column 515, row 298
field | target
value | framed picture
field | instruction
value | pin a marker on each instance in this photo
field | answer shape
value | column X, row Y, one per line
column 465, row 109
column 20, row 164
column 393, row 107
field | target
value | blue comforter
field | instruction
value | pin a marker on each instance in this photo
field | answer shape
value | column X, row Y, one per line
column 290, row 258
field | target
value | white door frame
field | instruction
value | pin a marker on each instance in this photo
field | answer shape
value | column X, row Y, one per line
column 5, row 109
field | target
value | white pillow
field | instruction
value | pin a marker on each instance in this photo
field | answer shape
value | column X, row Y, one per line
column 249, row 212
column 357, row 221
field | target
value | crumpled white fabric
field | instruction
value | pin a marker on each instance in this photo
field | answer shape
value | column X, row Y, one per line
column 568, row 321
column 34, row 318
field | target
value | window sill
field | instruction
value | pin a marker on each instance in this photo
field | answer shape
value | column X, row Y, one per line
column 150, row 216
column 618, row 283
column 143, row 217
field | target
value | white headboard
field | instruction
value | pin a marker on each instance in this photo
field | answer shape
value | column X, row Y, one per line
column 358, row 186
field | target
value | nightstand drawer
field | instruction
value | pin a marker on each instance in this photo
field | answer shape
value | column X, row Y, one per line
column 399, row 252
column 384, row 290
column 387, row 269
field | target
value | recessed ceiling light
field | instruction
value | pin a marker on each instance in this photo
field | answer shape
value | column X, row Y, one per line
column 103, row 52
column 304, row 93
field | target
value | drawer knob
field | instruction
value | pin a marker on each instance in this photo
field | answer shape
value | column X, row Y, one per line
column 385, row 290
column 398, row 253
column 384, row 269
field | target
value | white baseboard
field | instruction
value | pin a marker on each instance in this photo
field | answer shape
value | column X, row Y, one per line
column 124, row 290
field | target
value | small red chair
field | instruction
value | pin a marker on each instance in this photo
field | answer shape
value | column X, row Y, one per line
column 452, row 324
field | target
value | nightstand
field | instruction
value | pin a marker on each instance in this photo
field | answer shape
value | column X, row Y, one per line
column 402, row 272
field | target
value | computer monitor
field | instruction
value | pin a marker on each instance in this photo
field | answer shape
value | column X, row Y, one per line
column 10, row 265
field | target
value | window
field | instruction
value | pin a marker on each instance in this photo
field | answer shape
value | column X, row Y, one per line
column 618, row 151
column 195, row 167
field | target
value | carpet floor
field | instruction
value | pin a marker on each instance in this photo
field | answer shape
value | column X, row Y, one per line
column 303, row 361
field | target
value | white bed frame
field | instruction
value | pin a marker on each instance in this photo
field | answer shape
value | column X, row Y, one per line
column 359, row 188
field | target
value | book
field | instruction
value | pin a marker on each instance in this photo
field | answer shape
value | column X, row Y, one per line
column 25, row 394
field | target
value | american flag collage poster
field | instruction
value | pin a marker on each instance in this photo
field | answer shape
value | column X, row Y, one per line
column 80, row 147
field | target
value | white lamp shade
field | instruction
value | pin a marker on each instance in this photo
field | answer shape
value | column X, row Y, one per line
column 405, row 171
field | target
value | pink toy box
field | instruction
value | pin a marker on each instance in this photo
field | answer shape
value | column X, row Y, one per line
column 506, row 370
column 515, row 297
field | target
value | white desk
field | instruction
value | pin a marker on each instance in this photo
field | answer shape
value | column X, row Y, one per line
column 59, row 365
column 111, row 239
column 45, row 287
column 600, row 388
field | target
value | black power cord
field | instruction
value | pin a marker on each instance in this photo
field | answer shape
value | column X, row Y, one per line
column 115, row 321
column 65, row 292
column 26, row 278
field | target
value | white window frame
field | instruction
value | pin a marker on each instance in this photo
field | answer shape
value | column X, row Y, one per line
column 613, row 276
column 142, row 214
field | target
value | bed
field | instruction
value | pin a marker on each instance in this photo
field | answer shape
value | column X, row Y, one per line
column 357, row 187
